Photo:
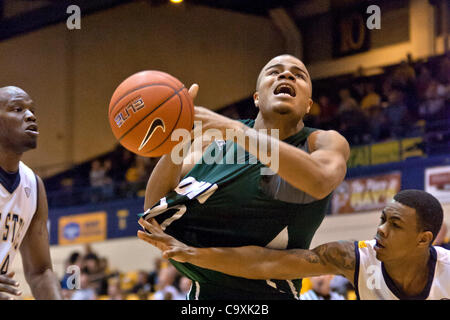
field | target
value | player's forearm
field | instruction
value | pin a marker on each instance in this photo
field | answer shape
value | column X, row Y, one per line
column 164, row 178
column 253, row 262
column 295, row 166
column 45, row 285
column 240, row 262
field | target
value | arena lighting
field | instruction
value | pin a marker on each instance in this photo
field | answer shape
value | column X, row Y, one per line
column 176, row 1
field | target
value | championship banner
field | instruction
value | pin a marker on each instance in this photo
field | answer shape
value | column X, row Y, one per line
column 437, row 182
column 350, row 33
column 365, row 194
column 82, row 228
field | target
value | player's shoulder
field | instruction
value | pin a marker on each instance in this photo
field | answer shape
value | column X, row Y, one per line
column 29, row 173
column 319, row 139
column 443, row 256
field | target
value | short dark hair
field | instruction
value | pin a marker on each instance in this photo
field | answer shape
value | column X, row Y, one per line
column 429, row 211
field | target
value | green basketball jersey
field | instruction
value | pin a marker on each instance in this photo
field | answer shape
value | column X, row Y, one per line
column 221, row 204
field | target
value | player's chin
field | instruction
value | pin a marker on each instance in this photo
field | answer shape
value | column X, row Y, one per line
column 30, row 144
column 283, row 109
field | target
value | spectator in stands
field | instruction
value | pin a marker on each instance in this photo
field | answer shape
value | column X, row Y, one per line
column 433, row 105
column 404, row 75
column 422, row 82
column 86, row 292
column 108, row 183
column 184, row 286
column 371, row 98
column 153, row 275
column 378, row 124
column 114, row 290
column 347, row 102
column 97, row 180
column 341, row 285
column 132, row 180
column 396, row 113
column 97, row 276
column 321, row 290
column 328, row 112
column 142, row 286
column 166, row 289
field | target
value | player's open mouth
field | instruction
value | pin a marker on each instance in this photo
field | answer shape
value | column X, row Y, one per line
column 284, row 89
column 32, row 129
column 378, row 245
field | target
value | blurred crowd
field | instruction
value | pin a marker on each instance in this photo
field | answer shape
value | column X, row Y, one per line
column 395, row 103
column 89, row 277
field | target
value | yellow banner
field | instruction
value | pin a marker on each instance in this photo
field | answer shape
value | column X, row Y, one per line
column 412, row 147
column 82, row 228
column 385, row 152
column 359, row 156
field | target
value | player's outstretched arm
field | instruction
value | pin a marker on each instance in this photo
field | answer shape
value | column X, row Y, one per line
column 35, row 252
column 253, row 262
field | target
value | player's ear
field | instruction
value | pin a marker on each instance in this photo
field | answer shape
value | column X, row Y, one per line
column 256, row 99
column 425, row 239
column 310, row 103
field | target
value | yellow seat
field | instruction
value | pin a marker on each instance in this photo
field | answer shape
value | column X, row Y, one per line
column 306, row 285
column 128, row 280
column 132, row 296
column 351, row 295
column 103, row 297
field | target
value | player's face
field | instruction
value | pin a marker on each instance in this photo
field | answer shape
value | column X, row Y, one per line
column 397, row 234
column 18, row 127
column 284, row 87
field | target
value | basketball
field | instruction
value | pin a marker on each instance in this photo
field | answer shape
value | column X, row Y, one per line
column 146, row 108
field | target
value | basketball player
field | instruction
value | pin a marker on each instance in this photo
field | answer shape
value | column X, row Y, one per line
column 400, row 263
column 23, row 201
column 221, row 204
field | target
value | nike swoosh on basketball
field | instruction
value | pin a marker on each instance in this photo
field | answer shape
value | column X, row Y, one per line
column 157, row 122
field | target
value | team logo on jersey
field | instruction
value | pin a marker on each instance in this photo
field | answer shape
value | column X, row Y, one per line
column 156, row 123
column 27, row 191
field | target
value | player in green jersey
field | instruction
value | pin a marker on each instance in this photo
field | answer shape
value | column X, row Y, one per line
column 227, row 203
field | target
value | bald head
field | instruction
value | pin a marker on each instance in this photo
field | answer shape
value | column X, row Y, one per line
column 280, row 59
column 12, row 92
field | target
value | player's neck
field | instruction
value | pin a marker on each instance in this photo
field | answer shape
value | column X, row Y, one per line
column 9, row 161
column 286, row 127
column 409, row 275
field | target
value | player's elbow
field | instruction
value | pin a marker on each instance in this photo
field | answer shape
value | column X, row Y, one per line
column 321, row 188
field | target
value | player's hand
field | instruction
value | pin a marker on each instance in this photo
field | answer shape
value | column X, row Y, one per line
column 193, row 90
column 171, row 248
column 8, row 286
column 213, row 120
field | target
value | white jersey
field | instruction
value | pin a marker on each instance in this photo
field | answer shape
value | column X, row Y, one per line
column 18, row 203
column 373, row 283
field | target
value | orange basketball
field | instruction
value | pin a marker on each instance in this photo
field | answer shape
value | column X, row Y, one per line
column 146, row 108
